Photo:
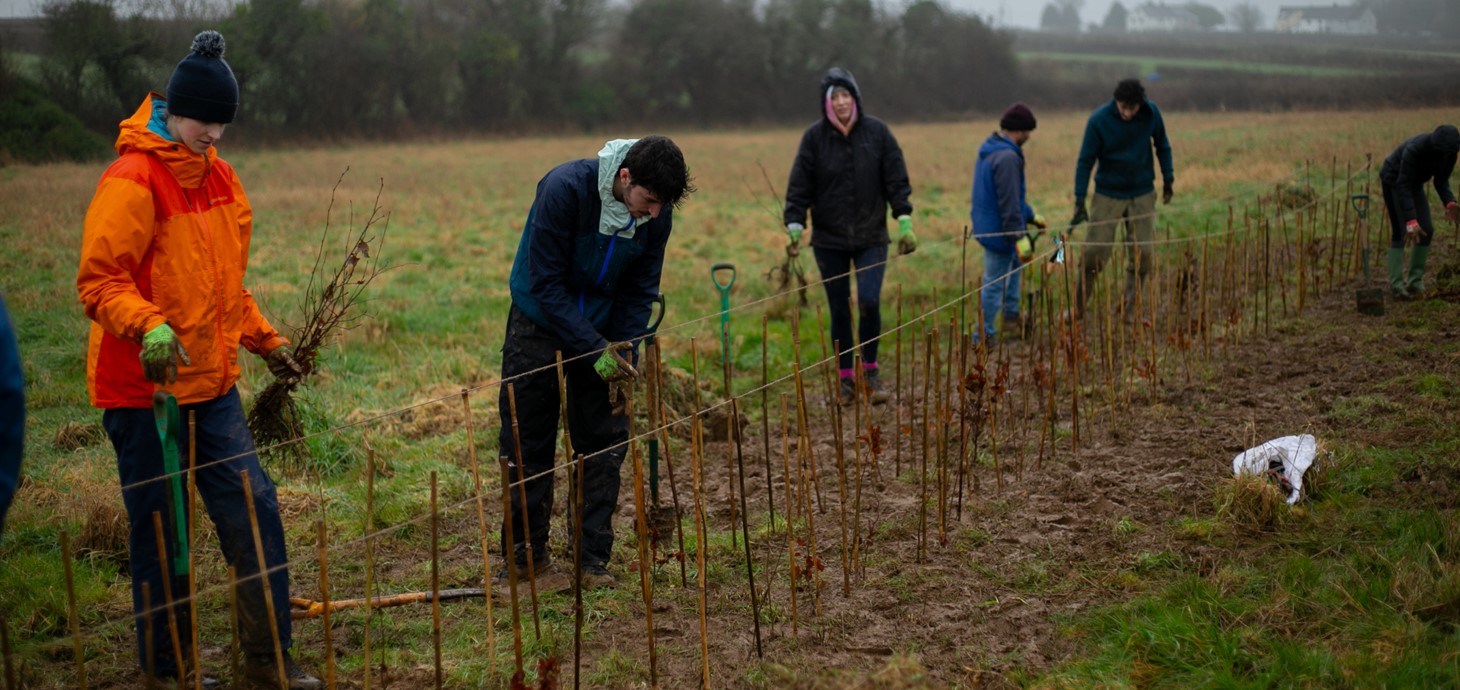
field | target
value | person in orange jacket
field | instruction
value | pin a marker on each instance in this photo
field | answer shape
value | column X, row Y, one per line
column 163, row 255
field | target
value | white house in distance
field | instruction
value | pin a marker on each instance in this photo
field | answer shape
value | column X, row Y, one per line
column 1152, row 18
column 1332, row 19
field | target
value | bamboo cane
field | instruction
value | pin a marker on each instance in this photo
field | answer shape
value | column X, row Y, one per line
column 324, row 597
column 263, row 575
column 803, row 428
column 510, row 557
column 765, row 412
column 577, row 469
column 167, row 600
column 745, row 532
column 370, row 572
column 641, row 525
column 790, row 520
column 480, row 500
column 701, row 545
column 664, row 442
column 931, row 337
column 72, row 617
column 529, row 548
column 436, row 580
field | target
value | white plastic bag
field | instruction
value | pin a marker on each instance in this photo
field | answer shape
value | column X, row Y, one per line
column 1291, row 455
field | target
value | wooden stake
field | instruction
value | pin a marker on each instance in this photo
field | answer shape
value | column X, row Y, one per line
column 897, row 389
column 481, row 501
column 370, row 571
column 192, row 552
column 72, row 616
column 436, row 580
column 263, row 575
column 526, row 521
column 803, row 428
column 765, row 413
column 510, row 557
column 745, row 531
column 167, row 601
column 577, row 469
column 790, row 519
column 701, row 545
column 923, row 458
column 641, row 525
column 668, row 463
column 324, row 597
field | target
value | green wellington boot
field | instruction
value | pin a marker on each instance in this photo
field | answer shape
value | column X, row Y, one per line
column 1417, row 258
column 1396, row 274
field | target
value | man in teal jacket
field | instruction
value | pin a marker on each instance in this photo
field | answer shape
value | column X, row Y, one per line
column 1119, row 138
column 585, row 275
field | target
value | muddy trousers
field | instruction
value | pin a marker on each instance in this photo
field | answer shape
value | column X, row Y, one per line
column 224, row 448
column 1106, row 213
column 592, row 427
column 871, row 266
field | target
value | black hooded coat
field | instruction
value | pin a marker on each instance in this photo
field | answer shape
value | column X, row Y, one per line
column 847, row 182
column 1421, row 158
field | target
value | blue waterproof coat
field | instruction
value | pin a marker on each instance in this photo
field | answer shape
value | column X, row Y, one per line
column 999, row 212
column 587, row 286
column 12, row 413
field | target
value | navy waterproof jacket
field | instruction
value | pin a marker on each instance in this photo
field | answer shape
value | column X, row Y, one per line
column 847, row 182
column 999, row 211
column 1421, row 158
column 12, row 413
column 1123, row 150
column 587, row 287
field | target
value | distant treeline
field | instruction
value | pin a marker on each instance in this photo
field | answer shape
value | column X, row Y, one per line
column 393, row 67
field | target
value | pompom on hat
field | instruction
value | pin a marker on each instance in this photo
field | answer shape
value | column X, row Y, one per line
column 1018, row 118
column 203, row 86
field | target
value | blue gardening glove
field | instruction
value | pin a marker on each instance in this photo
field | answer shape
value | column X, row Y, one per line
column 283, row 366
column 160, row 352
column 611, row 366
column 907, row 242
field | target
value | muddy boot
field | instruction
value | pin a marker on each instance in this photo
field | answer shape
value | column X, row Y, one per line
column 875, row 387
column 847, row 393
column 1418, row 256
column 1397, row 285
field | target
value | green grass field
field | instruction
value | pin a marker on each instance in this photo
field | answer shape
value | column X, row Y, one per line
column 1327, row 603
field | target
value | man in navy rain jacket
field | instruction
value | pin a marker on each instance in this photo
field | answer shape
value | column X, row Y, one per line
column 583, row 282
column 1000, row 213
column 1119, row 138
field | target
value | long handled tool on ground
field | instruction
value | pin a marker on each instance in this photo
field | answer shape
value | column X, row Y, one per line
column 1370, row 300
column 169, row 428
column 308, row 608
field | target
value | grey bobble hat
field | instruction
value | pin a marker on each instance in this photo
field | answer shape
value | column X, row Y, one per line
column 203, row 86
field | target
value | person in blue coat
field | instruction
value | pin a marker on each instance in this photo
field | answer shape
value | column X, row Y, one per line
column 1000, row 213
column 12, row 413
column 583, row 283
column 1120, row 138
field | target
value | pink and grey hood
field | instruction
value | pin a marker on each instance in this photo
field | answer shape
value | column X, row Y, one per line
column 835, row 77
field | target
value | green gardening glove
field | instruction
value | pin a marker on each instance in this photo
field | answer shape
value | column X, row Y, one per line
column 1038, row 221
column 611, row 366
column 160, row 351
column 793, row 232
column 907, row 242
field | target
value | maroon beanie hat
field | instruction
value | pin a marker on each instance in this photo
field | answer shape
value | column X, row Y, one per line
column 1018, row 118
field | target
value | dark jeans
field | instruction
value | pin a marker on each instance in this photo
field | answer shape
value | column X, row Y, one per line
column 834, row 264
column 591, row 424
column 1421, row 212
column 222, row 433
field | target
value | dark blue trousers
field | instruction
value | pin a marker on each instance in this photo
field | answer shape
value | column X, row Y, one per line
column 834, row 264
column 222, row 433
column 591, row 425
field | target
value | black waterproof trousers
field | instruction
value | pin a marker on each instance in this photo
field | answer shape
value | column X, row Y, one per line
column 528, row 347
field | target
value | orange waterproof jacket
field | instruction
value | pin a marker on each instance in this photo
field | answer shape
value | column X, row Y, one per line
column 166, row 240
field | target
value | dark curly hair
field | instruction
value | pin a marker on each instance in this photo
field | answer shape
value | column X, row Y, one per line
column 1130, row 91
column 656, row 164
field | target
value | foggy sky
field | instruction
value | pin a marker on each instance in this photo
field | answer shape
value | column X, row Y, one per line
column 1020, row 14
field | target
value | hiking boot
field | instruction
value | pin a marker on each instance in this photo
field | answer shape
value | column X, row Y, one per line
column 874, row 384
column 1014, row 326
column 596, row 576
column 847, row 394
column 542, row 564
column 261, row 672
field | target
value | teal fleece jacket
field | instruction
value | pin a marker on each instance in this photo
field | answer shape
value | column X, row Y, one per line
column 1123, row 150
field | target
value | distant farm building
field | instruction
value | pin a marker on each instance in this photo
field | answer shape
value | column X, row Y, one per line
column 1333, row 19
column 1153, row 18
